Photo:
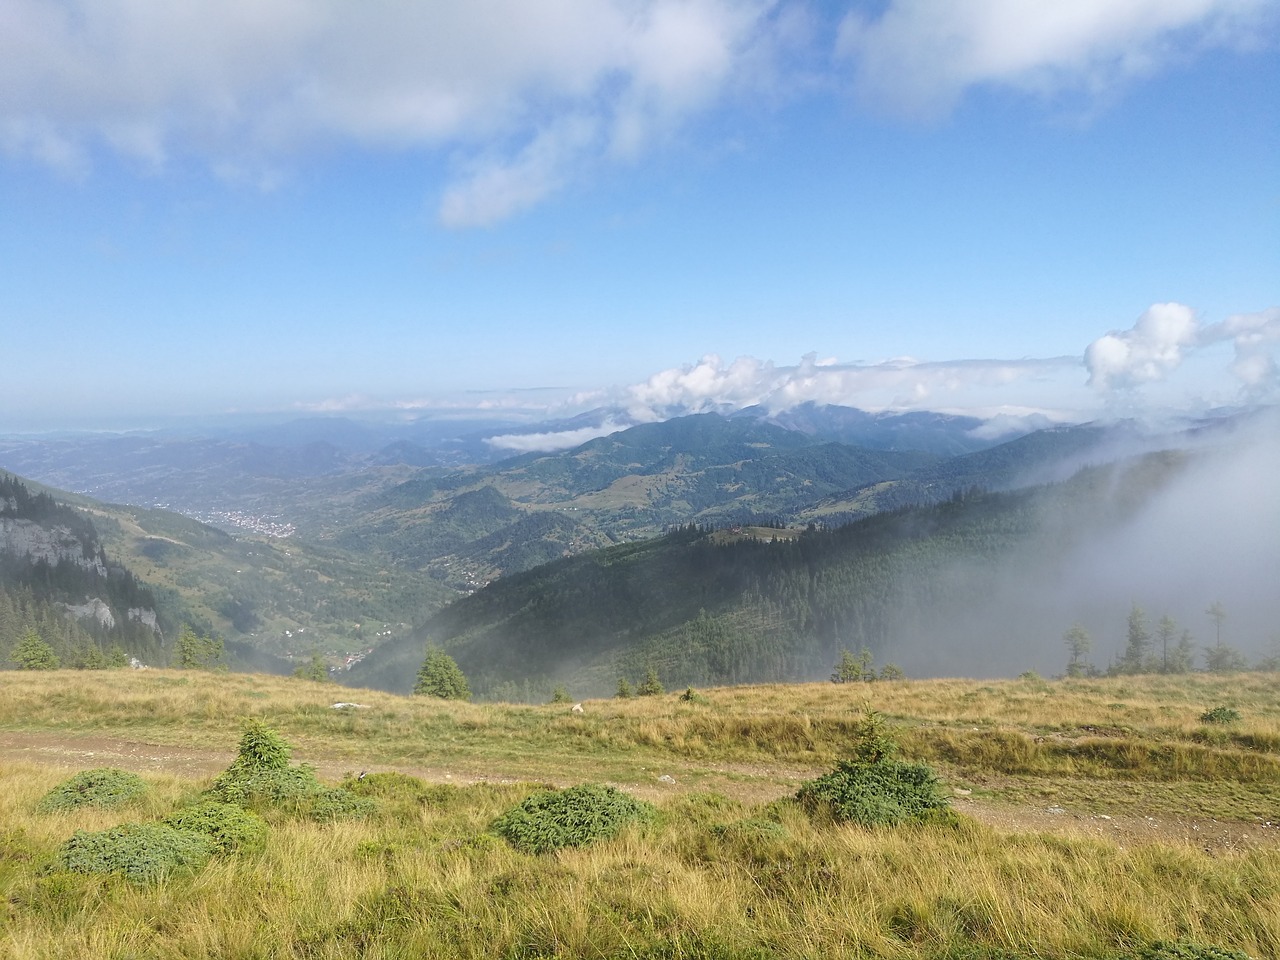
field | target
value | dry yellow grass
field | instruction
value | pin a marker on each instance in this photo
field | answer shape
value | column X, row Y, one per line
column 423, row 878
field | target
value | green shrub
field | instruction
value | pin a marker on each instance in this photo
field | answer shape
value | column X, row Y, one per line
column 884, row 792
column 294, row 789
column 104, row 787
column 260, row 777
column 1220, row 715
column 141, row 852
column 574, row 817
column 261, row 748
column 691, row 695
column 871, row 788
column 228, row 828
column 1185, row 950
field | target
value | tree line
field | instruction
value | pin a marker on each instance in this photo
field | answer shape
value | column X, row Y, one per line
column 1169, row 649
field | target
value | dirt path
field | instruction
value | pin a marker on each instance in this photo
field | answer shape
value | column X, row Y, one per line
column 1213, row 836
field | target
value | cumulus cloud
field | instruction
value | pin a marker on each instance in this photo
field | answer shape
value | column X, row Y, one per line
column 522, row 93
column 1167, row 333
column 1256, row 338
column 900, row 384
column 1149, row 351
column 920, row 56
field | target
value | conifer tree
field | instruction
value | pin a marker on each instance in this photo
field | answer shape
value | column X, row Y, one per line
column 33, row 653
column 1078, row 644
column 1134, row 659
column 1165, row 631
column 440, row 676
column 651, row 686
column 314, row 669
column 1184, row 653
column 194, row 652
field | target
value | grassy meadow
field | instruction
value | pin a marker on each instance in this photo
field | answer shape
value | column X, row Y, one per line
column 729, row 867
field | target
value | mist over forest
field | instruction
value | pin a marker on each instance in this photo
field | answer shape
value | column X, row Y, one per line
column 1211, row 534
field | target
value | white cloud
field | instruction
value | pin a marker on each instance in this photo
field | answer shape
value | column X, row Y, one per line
column 898, row 385
column 920, row 56
column 1167, row 333
column 553, row 440
column 1149, row 351
column 523, row 93
column 521, row 97
column 1256, row 338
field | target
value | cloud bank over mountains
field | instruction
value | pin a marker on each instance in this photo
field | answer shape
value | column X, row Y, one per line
column 1014, row 396
column 522, row 99
column 1119, row 362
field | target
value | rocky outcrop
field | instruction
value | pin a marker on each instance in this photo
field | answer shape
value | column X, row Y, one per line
column 54, row 545
column 144, row 616
column 93, row 609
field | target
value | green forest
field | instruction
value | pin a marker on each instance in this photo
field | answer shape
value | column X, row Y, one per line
column 705, row 606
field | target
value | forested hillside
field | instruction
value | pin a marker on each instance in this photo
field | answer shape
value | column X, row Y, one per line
column 710, row 608
column 57, row 579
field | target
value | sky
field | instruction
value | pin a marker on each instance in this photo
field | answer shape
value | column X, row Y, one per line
column 998, row 207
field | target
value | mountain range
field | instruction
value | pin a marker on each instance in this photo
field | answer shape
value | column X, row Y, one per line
column 325, row 541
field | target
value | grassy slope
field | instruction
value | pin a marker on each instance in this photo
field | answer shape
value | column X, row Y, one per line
column 423, row 879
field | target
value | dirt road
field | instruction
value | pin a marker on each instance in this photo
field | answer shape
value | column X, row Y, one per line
column 1213, row 836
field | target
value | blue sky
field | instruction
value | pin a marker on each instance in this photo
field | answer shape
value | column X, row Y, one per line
column 989, row 206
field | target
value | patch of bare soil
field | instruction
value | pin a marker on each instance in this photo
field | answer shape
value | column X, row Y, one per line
column 1213, row 836
column 81, row 753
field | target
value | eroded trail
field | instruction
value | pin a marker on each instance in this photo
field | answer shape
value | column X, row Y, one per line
column 1213, row 836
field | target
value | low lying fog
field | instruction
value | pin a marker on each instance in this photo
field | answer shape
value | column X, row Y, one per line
column 1211, row 535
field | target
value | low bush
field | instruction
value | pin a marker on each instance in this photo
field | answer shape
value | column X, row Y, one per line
column 230, row 829
column 294, row 789
column 260, row 777
column 1220, row 715
column 884, row 793
column 872, row 788
column 104, row 787
column 141, row 852
column 552, row 819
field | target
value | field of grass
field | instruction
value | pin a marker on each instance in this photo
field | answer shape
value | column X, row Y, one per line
column 729, row 867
